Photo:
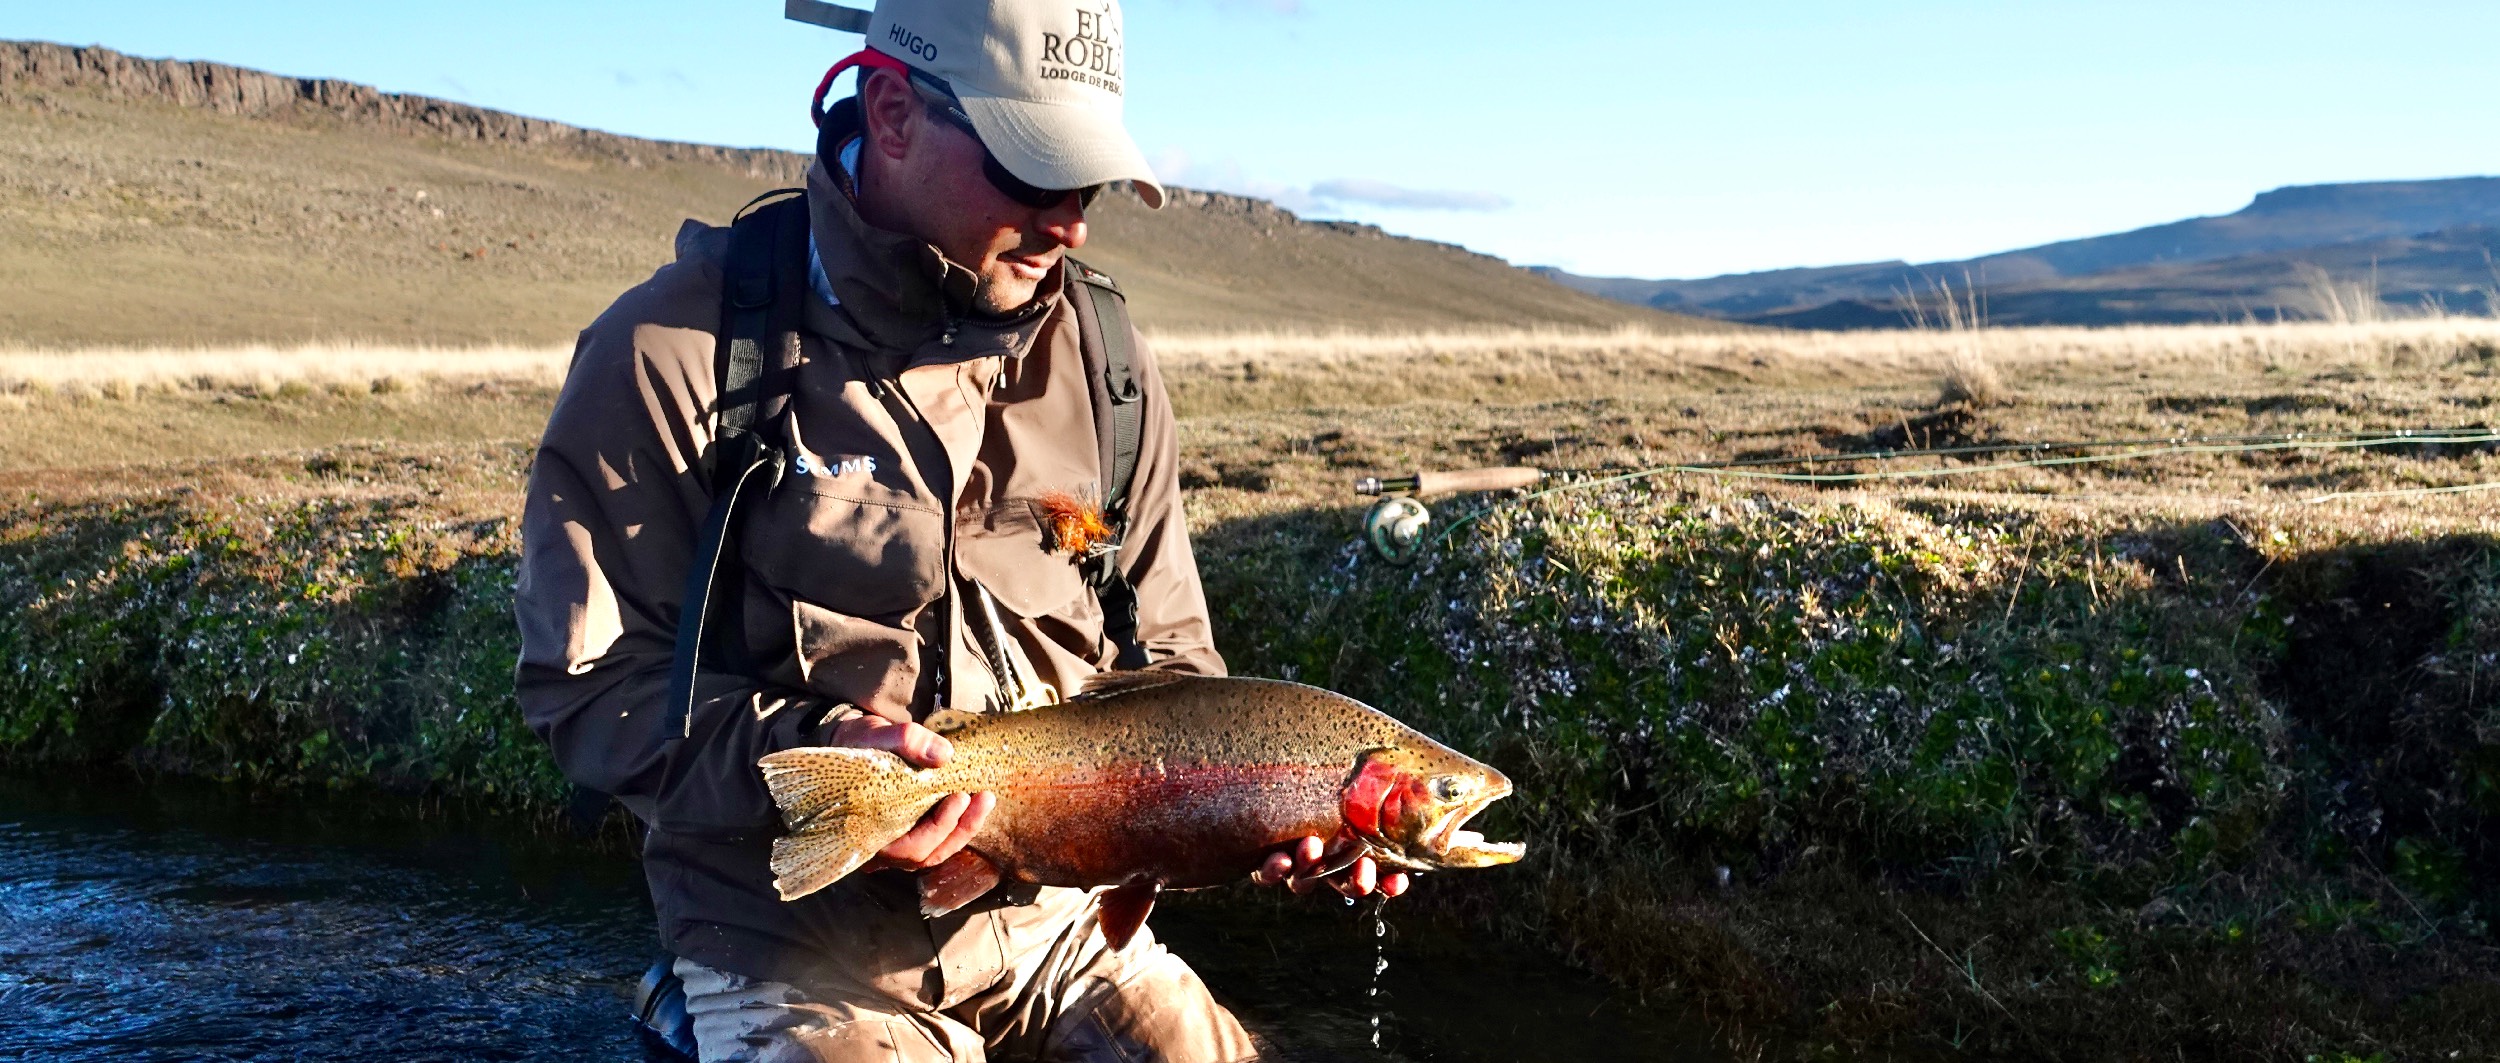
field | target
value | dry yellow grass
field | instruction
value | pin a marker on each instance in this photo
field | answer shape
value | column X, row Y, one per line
column 121, row 372
column 1224, row 373
column 1411, row 358
column 2125, row 348
column 1297, row 415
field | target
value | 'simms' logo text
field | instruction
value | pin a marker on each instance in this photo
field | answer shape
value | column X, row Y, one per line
column 806, row 465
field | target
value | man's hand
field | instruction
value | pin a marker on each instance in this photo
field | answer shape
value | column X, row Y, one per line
column 1297, row 866
column 944, row 830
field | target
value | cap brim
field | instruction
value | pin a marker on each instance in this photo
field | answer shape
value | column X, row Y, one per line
column 1060, row 146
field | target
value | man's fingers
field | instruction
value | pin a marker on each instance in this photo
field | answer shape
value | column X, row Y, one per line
column 1297, row 866
column 1276, row 868
column 913, row 848
column 924, row 747
column 1361, row 879
column 919, row 745
column 1307, row 854
column 975, row 810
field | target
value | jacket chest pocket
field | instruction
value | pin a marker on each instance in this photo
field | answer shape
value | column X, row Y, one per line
column 843, row 541
column 860, row 565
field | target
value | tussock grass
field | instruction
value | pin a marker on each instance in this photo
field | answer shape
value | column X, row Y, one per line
column 2122, row 349
column 124, row 372
column 1227, row 373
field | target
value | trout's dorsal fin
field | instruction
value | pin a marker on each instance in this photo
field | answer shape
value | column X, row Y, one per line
column 1112, row 684
column 945, row 720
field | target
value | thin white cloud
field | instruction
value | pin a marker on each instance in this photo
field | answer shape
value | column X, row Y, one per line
column 669, row 78
column 1175, row 166
column 1384, row 194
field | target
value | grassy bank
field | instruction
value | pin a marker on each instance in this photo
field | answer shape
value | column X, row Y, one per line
column 339, row 620
column 2020, row 781
column 1842, row 772
column 2129, row 762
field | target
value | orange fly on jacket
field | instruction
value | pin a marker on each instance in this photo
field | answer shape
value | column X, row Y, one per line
column 1076, row 526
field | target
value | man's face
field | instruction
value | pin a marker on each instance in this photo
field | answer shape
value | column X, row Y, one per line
column 924, row 178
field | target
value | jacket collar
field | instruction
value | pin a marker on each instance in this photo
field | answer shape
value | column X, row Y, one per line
column 896, row 294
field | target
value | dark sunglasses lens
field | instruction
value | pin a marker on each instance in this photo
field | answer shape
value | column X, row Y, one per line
column 1015, row 188
column 1034, row 196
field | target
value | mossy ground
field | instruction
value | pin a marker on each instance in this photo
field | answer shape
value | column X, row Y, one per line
column 1855, row 774
column 2129, row 763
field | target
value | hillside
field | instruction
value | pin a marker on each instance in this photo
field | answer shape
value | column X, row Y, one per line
column 151, row 201
column 2202, row 269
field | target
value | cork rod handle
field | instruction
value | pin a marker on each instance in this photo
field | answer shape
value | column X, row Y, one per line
column 1499, row 479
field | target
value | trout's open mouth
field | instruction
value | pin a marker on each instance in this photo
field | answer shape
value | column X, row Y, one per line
column 1453, row 846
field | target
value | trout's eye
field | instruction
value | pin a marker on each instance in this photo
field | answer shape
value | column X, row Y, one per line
column 1450, row 787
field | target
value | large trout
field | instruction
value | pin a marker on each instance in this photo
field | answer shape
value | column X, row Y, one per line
column 1147, row 780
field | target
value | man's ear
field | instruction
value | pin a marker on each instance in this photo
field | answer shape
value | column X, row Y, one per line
column 888, row 109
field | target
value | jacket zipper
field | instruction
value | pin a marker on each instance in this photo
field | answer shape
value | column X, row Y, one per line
column 946, row 556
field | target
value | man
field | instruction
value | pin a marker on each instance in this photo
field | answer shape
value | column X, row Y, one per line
column 892, row 560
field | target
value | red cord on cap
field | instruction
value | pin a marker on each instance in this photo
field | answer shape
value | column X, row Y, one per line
column 865, row 59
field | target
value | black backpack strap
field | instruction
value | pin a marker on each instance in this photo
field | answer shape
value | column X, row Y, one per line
column 757, row 350
column 1119, row 426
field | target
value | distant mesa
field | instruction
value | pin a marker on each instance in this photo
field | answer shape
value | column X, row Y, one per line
column 2421, row 243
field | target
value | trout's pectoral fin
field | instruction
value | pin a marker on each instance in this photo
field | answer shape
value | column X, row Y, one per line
column 1124, row 910
column 964, row 878
column 1343, row 850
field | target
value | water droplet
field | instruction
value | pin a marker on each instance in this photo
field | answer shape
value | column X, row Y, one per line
column 1377, row 914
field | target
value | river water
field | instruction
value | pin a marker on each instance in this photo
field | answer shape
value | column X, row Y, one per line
column 177, row 921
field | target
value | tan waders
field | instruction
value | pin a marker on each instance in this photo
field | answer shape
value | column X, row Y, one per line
column 1068, row 998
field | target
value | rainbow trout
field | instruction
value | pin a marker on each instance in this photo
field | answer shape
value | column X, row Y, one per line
column 1147, row 781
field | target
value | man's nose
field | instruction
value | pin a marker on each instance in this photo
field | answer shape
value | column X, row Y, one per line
column 1065, row 222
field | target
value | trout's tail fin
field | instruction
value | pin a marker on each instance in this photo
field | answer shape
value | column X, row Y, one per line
column 842, row 806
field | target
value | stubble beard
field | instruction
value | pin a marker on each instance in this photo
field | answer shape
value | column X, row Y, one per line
column 1002, row 296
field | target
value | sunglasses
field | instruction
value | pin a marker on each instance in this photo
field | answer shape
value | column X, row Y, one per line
column 943, row 102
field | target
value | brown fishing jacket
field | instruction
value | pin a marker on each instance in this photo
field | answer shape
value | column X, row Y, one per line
column 920, row 441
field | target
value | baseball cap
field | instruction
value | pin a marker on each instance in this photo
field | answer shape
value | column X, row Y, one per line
column 1041, row 81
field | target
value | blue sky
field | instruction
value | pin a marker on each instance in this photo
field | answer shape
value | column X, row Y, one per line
column 1607, row 136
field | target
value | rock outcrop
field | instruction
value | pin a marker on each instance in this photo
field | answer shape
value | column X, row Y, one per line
column 28, row 68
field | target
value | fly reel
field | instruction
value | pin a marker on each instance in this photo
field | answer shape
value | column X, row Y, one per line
column 1396, row 528
column 1399, row 527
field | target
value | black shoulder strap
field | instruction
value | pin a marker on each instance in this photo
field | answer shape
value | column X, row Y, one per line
column 1119, row 427
column 757, row 349
column 764, row 244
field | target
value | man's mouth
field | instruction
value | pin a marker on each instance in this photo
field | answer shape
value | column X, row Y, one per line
column 1028, row 269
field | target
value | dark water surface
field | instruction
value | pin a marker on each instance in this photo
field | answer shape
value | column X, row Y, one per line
column 179, row 922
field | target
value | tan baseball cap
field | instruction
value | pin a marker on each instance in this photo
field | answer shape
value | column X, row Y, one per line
column 1040, row 79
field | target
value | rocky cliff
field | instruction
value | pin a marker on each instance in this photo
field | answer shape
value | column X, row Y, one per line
column 30, row 68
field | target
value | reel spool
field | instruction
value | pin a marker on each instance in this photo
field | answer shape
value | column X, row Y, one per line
column 1399, row 527
column 1396, row 529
